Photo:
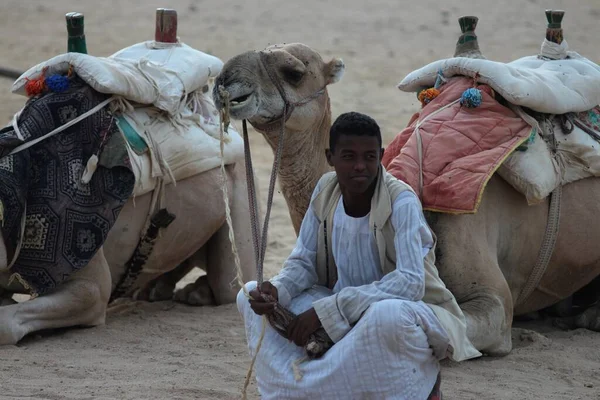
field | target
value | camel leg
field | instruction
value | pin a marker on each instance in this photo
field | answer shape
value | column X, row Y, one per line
column 488, row 309
column 219, row 286
column 81, row 301
column 489, row 321
column 163, row 287
column 486, row 302
column 589, row 319
column 197, row 293
column 481, row 289
column 585, row 309
column 221, row 269
column 589, row 295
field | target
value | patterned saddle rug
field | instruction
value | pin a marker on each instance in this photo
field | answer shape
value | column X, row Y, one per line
column 51, row 221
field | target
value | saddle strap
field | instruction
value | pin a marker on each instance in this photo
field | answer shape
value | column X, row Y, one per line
column 547, row 249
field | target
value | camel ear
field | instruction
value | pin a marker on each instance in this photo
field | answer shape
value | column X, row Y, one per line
column 335, row 70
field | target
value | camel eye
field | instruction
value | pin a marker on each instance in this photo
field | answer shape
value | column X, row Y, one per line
column 293, row 76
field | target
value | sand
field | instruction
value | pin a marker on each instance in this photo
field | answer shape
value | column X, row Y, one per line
column 171, row 351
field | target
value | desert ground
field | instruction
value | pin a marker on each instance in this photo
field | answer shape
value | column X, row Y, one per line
column 171, row 351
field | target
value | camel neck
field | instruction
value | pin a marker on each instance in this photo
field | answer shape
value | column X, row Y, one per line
column 303, row 161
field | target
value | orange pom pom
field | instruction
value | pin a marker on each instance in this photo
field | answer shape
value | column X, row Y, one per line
column 425, row 96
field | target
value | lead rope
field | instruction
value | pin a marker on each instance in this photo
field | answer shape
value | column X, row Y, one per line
column 319, row 342
column 259, row 249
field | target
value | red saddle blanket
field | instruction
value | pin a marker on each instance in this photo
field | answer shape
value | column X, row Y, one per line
column 460, row 148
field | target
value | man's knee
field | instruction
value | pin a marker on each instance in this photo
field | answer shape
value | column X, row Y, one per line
column 393, row 312
column 242, row 300
column 398, row 324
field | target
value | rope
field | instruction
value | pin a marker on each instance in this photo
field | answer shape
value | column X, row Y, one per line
column 60, row 128
column 236, row 257
column 547, row 248
column 280, row 317
column 552, row 225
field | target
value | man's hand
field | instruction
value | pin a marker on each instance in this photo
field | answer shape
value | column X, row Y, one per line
column 258, row 304
column 303, row 326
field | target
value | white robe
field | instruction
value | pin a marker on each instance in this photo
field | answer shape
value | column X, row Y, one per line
column 388, row 342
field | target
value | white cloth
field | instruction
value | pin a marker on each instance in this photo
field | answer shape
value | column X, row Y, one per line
column 388, row 342
column 189, row 144
column 547, row 86
column 150, row 73
column 386, row 355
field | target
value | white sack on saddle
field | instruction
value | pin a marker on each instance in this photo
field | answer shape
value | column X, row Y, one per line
column 175, row 69
column 553, row 87
column 146, row 73
column 536, row 172
column 190, row 144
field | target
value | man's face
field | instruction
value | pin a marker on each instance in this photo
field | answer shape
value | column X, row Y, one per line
column 356, row 160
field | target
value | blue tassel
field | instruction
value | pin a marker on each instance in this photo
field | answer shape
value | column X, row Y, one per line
column 471, row 98
column 57, row 83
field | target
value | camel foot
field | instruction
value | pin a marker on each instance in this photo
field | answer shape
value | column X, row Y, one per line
column 196, row 294
column 157, row 290
column 502, row 348
column 589, row 319
column 162, row 288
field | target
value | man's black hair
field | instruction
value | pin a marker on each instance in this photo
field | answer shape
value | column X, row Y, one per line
column 353, row 124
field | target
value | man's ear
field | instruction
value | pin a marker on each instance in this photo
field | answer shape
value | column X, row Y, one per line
column 328, row 155
column 381, row 154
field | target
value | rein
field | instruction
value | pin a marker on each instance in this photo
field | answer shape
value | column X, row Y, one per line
column 319, row 342
column 288, row 108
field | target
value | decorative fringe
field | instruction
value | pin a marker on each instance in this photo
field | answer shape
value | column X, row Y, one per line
column 16, row 276
column 530, row 140
column 55, row 83
column 90, row 168
column 298, row 375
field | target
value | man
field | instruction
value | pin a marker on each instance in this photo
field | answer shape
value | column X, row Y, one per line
column 363, row 269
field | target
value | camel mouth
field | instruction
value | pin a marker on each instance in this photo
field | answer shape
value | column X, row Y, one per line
column 240, row 101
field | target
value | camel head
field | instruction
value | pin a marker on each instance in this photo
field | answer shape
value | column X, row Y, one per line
column 254, row 83
column 251, row 80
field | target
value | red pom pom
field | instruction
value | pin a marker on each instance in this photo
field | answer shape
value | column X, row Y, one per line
column 33, row 87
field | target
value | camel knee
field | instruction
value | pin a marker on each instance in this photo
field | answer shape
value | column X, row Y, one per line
column 91, row 287
column 489, row 323
column 89, row 302
column 75, row 303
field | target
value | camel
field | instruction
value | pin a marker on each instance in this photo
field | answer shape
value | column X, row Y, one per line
column 197, row 237
column 83, row 300
column 484, row 258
